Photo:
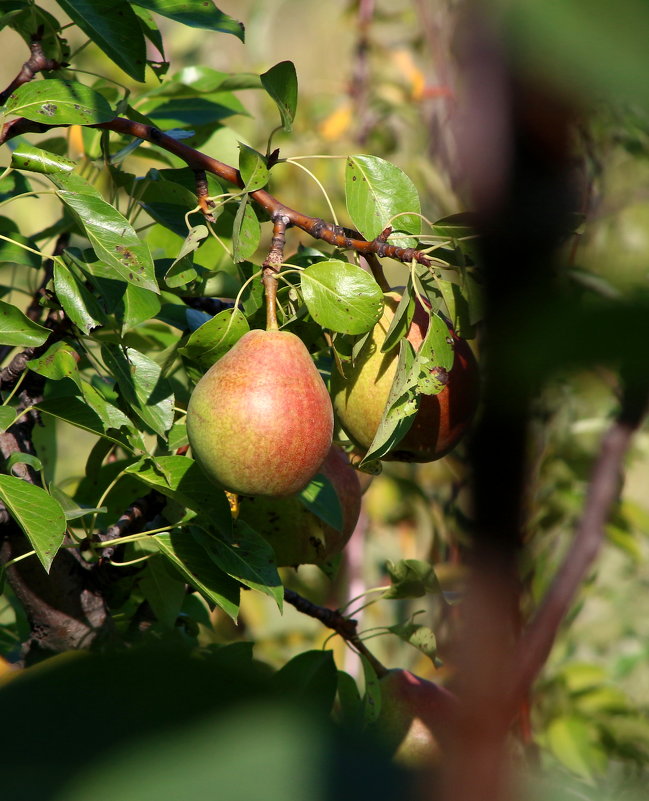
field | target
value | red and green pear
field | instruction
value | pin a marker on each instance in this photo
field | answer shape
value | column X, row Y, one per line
column 297, row 535
column 415, row 719
column 260, row 421
column 360, row 397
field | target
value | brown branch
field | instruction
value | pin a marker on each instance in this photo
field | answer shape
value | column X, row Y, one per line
column 336, row 235
column 37, row 62
column 202, row 195
column 534, row 646
column 333, row 619
column 130, row 522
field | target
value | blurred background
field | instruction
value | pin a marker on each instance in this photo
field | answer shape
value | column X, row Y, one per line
column 398, row 79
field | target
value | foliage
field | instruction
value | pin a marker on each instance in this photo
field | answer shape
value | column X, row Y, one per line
column 132, row 262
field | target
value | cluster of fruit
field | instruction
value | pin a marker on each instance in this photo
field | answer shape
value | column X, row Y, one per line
column 261, row 422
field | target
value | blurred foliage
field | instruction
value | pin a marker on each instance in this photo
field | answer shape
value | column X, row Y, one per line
column 591, row 704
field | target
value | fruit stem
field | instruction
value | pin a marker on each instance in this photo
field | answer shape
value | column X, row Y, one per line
column 271, row 267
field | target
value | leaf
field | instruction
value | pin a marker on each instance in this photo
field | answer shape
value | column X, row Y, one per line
column 252, row 166
column 111, row 235
column 76, row 412
column 191, row 559
column 37, row 514
column 17, row 329
column 320, row 497
column 309, row 678
column 247, row 557
column 142, row 385
column 196, row 15
column 12, row 253
column 193, row 111
column 56, row 102
column 411, row 578
column 19, row 457
column 400, row 323
column 185, row 482
column 7, row 417
column 372, row 697
column 215, row 337
column 70, row 507
column 434, row 358
column 421, row 637
column 400, row 408
column 341, row 296
column 192, row 241
column 80, row 305
column 115, row 28
column 376, row 191
column 59, row 361
column 166, row 202
column 164, row 592
column 35, row 159
column 136, row 306
column 245, row 232
column 281, row 84
column 569, row 738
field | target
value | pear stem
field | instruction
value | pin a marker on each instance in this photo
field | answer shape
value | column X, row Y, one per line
column 271, row 267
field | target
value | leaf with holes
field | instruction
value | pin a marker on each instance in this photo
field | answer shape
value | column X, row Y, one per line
column 56, row 102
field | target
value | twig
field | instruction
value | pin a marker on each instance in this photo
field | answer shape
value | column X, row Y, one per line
column 272, row 265
column 535, row 644
column 333, row 619
column 37, row 62
column 202, row 193
column 131, row 521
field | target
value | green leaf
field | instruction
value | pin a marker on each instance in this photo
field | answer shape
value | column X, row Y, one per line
column 411, row 578
column 247, row 557
column 59, row 361
column 137, row 305
column 81, row 306
column 400, row 323
column 111, row 235
column 179, row 112
column 376, row 192
column 196, row 567
column 202, row 14
column 17, row 329
column 37, row 514
column 167, row 203
column 281, row 84
column 76, row 412
column 164, row 592
column 7, row 417
column 372, row 697
column 19, row 457
column 320, row 497
column 180, row 478
column 35, row 159
column 341, row 296
column 252, row 166
column 400, row 408
column 12, row 253
column 56, row 102
column 570, row 740
column 421, row 637
column 70, row 507
column 215, row 337
column 245, row 232
column 434, row 358
column 309, row 678
column 142, row 385
column 115, row 28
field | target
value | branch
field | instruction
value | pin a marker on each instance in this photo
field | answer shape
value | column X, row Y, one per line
column 37, row 62
column 536, row 642
column 344, row 626
column 336, row 235
column 131, row 521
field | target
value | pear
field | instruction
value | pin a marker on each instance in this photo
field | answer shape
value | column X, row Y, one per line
column 415, row 718
column 260, row 420
column 360, row 396
column 297, row 535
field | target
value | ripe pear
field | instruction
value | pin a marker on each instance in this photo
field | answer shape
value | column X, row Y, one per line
column 415, row 717
column 297, row 535
column 260, row 420
column 360, row 396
